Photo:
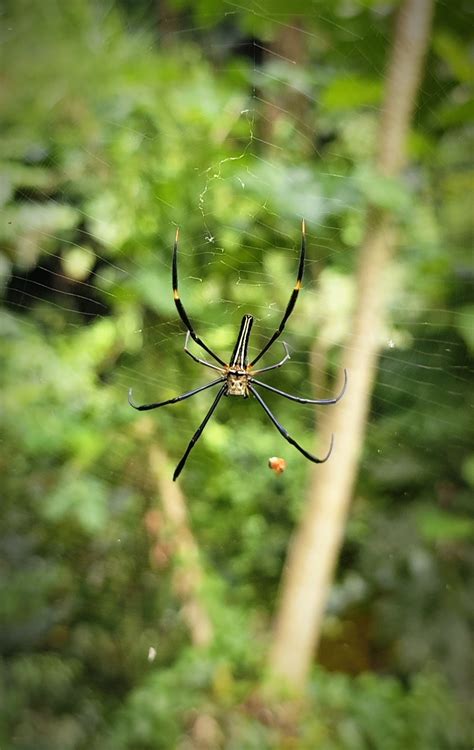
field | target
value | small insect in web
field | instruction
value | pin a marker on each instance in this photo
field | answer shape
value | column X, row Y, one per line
column 277, row 464
column 237, row 378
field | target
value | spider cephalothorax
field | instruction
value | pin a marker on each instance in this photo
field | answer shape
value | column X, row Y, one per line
column 237, row 373
column 238, row 377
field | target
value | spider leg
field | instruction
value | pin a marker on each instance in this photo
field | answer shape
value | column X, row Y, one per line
column 196, row 359
column 146, row 407
column 293, row 298
column 278, row 364
column 179, row 305
column 285, row 434
column 320, row 401
column 198, row 433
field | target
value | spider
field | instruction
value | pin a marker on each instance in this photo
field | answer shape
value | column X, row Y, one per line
column 237, row 378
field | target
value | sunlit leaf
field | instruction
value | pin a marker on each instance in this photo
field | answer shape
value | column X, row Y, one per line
column 352, row 91
column 440, row 526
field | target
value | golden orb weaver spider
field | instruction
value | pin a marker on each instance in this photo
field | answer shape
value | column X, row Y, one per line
column 238, row 377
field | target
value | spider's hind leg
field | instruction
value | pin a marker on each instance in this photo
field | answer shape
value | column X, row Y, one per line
column 284, row 433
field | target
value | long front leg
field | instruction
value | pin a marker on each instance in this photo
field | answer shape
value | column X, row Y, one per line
column 293, row 298
column 284, row 433
column 147, row 407
column 179, row 305
column 198, row 434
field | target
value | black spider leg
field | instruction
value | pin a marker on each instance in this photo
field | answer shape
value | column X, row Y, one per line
column 320, row 401
column 179, row 305
column 146, row 407
column 197, row 359
column 293, row 298
column 285, row 434
column 278, row 364
column 198, row 433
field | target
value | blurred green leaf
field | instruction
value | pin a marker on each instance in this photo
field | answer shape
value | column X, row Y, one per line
column 385, row 192
column 456, row 54
column 83, row 499
column 350, row 92
column 450, row 114
column 440, row 526
column 465, row 324
column 468, row 470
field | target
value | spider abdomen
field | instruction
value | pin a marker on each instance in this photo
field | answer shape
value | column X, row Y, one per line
column 237, row 383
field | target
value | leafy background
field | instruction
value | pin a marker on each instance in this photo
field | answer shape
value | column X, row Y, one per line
column 121, row 121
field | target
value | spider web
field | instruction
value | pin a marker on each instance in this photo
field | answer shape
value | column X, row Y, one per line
column 260, row 163
column 258, row 172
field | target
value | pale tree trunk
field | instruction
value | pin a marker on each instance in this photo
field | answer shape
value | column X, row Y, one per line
column 315, row 547
column 173, row 539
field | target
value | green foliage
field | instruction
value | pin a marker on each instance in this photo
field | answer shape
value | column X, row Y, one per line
column 352, row 91
column 353, row 713
column 111, row 138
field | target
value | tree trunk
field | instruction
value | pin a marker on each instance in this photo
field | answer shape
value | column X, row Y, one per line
column 182, row 548
column 315, row 546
